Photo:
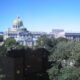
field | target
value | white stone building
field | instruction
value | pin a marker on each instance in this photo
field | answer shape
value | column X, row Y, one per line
column 19, row 33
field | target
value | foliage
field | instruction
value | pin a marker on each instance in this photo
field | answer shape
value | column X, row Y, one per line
column 49, row 43
column 46, row 42
column 9, row 44
column 3, row 50
column 1, row 38
column 70, row 73
column 67, row 61
column 60, row 39
column 64, row 57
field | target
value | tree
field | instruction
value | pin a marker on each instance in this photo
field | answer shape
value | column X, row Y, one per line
column 10, row 43
column 1, row 38
column 66, row 61
column 60, row 39
column 70, row 73
column 41, row 41
column 3, row 50
column 46, row 42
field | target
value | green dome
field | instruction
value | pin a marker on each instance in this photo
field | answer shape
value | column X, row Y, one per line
column 22, row 28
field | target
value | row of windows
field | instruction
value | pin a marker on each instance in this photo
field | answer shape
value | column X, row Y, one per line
column 16, row 35
column 73, row 38
column 12, row 35
column 25, row 43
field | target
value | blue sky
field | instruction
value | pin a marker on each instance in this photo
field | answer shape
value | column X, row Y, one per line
column 41, row 15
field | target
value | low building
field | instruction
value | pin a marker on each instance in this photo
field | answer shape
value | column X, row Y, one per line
column 57, row 33
column 1, row 33
column 72, row 36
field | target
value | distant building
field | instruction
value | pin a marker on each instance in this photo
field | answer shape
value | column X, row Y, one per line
column 19, row 33
column 60, row 33
column 1, row 43
column 1, row 33
column 72, row 36
column 57, row 33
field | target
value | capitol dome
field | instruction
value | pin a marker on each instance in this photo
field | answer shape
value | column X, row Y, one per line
column 18, row 21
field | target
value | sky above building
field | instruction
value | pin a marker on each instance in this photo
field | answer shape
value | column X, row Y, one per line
column 41, row 15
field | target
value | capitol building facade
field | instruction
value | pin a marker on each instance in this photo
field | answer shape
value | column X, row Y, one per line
column 25, row 37
column 19, row 33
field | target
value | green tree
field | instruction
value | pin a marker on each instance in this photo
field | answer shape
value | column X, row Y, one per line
column 10, row 43
column 3, row 50
column 1, row 38
column 65, row 61
column 46, row 42
column 60, row 39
